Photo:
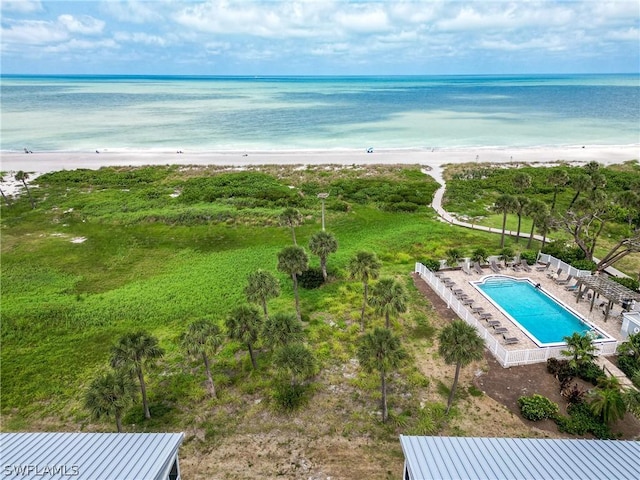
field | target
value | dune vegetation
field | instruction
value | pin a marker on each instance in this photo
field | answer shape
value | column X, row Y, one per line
column 110, row 252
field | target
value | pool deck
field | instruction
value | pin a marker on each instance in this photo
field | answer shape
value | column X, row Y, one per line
column 461, row 281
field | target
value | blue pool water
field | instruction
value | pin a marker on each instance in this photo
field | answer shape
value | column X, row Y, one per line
column 534, row 310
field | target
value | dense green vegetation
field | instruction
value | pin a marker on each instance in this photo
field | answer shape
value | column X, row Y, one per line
column 603, row 202
column 155, row 249
column 163, row 250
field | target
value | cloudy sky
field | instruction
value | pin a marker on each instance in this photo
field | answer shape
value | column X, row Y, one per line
column 323, row 37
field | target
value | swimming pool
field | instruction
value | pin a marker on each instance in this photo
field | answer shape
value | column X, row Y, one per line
column 540, row 316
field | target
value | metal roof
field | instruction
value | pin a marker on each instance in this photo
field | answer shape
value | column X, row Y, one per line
column 88, row 456
column 457, row 458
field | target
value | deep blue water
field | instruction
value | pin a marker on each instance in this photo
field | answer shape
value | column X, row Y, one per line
column 204, row 113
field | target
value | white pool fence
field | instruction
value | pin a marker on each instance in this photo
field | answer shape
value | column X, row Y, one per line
column 506, row 358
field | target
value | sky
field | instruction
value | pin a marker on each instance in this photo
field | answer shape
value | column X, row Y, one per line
column 319, row 37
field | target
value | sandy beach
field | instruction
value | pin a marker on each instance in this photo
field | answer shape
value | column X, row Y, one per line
column 37, row 163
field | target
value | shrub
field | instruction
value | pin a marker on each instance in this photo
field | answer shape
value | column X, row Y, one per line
column 529, row 256
column 402, row 207
column 289, row 397
column 628, row 365
column 584, row 264
column 537, row 407
column 630, row 283
column 582, row 421
column 590, row 372
column 479, row 255
column 433, row 265
column 561, row 369
column 312, row 278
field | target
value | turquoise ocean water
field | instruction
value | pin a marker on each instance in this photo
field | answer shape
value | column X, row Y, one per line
column 77, row 113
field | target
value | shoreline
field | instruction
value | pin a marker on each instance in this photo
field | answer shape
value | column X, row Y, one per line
column 43, row 162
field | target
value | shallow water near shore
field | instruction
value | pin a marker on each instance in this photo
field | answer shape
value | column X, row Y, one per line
column 86, row 113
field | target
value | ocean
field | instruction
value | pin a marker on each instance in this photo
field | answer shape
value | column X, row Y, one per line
column 85, row 113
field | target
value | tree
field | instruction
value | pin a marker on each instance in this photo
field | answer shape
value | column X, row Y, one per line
column 110, row 395
column 459, row 344
column 262, row 286
column 629, row 203
column 453, row 257
column 584, row 221
column 244, row 325
column 580, row 348
column 364, row 266
column 282, row 329
column 293, row 261
column 620, row 250
column 202, row 339
column 504, row 204
column 558, row 178
column 6, row 200
column 381, row 350
column 322, row 244
column 579, row 183
column 606, row 400
column 536, row 210
column 134, row 351
column 389, row 297
column 521, row 181
column 291, row 217
column 520, row 208
column 23, row 177
column 296, row 362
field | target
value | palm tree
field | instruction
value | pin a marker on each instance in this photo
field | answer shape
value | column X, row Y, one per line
column 558, row 178
column 607, row 401
column 110, row 394
column 6, row 200
column 262, row 286
column 244, row 325
column 381, row 350
column 504, row 204
column 282, row 329
column 520, row 208
column 579, row 183
column 364, row 266
column 293, row 261
column 479, row 255
column 23, row 177
column 131, row 353
column 535, row 209
column 453, row 257
column 322, row 244
column 521, row 181
column 459, row 344
column 296, row 362
column 580, row 348
column 291, row 217
column 389, row 297
column 203, row 338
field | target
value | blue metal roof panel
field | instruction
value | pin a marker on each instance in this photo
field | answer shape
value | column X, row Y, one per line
column 96, row 456
column 458, row 458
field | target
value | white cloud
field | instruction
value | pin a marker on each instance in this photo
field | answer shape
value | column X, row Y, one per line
column 21, row 6
column 75, row 45
column 84, row 24
column 134, row 11
column 140, row 37
column 363, row 20
column 33, row 32
column 630, row 34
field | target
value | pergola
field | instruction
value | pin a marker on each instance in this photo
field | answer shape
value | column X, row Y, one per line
column 602, row 286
